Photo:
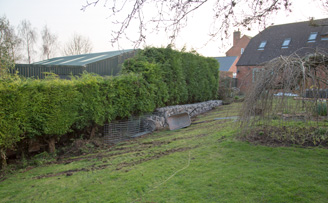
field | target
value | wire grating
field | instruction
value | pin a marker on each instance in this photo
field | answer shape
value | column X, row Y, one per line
column 121, row 130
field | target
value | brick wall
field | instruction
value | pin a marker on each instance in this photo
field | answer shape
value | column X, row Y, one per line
column 235, row 50
column 245, row 77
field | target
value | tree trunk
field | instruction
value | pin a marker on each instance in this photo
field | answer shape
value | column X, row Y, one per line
column 3, row 158
column 51, row 144
column 93, row 132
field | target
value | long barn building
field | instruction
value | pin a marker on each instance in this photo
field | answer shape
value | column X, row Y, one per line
column 104, row 64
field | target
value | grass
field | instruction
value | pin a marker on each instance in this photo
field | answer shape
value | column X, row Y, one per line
column 202, row 163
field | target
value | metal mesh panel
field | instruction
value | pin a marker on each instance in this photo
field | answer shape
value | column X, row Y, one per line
column 121, row 130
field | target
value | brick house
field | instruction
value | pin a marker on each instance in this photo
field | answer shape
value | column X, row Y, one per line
column 301, row 38
column 239, row 44
column 228, row 63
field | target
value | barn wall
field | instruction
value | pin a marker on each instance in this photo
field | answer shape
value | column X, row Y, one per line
column 110, row 66
column 37, row 71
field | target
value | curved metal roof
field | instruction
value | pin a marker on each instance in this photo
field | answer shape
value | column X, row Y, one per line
column 82, row 59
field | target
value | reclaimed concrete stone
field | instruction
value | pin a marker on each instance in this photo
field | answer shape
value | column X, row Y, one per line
column 159, row 117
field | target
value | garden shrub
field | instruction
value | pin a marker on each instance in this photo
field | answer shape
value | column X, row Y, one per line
column 185, row 77
column 130, row 96
column 52, row 108
column 12, row 115
column 170, row 62
column 153, row 75
column 93, row 104
column 321, row 109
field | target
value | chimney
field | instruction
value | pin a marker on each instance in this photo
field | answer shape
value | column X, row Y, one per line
column 236, row 37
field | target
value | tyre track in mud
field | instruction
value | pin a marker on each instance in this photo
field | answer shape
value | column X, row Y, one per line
column 140, row 149
column 120, row 166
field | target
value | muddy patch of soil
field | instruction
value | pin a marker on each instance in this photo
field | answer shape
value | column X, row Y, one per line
column 67, row 173
column 119, row 166
column 82, row 147
column 155, row 156
column 276, row 136
column 121, row 150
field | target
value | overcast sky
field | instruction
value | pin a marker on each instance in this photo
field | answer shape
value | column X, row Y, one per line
column 64, row 18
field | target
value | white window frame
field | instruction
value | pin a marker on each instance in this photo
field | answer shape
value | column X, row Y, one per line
column 286, row 43
column 313, row 36
column 262, row 45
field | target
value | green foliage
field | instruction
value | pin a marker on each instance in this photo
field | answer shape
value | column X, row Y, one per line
column 43, row 109
column 183, row 77
column 93, row 102
column 296, row 133
column 201, row 77
column 12, row 113
column 8, row 43
column 321, row 109
column 153, row 75
column 41, row 159
column 51, row 106
column 131, row 95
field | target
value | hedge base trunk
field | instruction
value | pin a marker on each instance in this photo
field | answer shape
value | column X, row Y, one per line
column 3, row 158
column 93, row 132
column 51, row 145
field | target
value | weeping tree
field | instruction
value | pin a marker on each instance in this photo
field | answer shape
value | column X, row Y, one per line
column 287, row 90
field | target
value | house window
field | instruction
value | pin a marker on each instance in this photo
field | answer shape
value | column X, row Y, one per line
column 286, row 43
column 312, row 37
column 324, row 36
column 262, row 45
column 256, row 74
column 241, row 50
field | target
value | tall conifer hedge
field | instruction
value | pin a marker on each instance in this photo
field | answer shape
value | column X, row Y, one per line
column 47, row 109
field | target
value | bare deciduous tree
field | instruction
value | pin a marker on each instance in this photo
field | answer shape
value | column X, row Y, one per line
column 77, row 45
column 9, row 45
column 172, row 15
column 49, row 43
column 29, row 38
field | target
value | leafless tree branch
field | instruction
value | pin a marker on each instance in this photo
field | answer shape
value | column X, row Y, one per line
column 49, row 43
column 29, row 37
column 172, row 16
column 77, row 45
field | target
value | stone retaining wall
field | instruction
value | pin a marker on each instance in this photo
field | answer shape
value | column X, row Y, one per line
column 159, row 117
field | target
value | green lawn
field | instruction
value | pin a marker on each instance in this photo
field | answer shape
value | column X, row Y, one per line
column 201, row 163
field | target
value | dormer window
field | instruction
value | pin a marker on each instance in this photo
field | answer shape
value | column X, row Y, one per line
column 324, row 36
column 262, row 45
column 286, row 43
column 312, row 37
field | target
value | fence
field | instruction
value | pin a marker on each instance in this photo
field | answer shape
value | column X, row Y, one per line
column 316, row 93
